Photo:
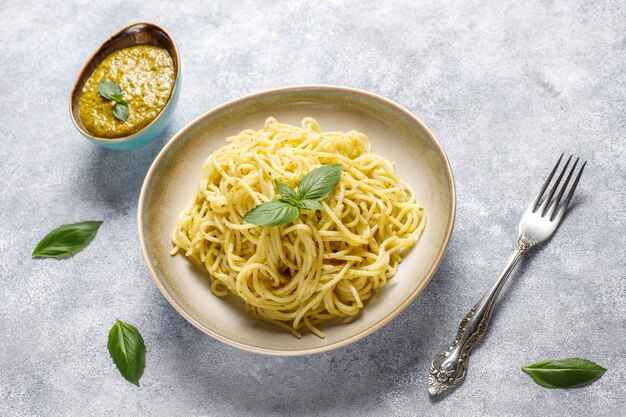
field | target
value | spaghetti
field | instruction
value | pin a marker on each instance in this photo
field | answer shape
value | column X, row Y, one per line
column 326, row 263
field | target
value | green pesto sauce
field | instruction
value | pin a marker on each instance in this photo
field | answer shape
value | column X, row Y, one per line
column 146, row 75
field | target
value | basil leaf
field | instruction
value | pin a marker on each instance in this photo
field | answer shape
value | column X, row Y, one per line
column 66, row 240
column 286, row 191
column 110, row 90
column 564, row 373
column 272, row 213
column 128, row 350
column 319, row 183
column 311, row 204
column 315, row 186
column 121, row 111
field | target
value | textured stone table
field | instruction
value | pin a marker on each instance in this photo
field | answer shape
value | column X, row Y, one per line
column 505, row 86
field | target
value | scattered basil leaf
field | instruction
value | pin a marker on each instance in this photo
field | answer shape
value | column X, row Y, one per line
column 311, row 204
column 110, row 90
column 66, row 240
column 285, row 190
column 564, row 373
column 319, row 183
column 314, row 186
column 128, row 351
column 121, row 111
column 272, row 213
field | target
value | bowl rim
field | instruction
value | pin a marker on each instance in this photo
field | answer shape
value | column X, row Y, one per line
column 167, row 104
column 343, row 342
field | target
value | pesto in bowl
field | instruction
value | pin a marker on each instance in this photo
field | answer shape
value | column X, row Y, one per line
column 146, row 75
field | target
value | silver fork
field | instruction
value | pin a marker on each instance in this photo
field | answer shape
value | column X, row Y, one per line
column 538, row 224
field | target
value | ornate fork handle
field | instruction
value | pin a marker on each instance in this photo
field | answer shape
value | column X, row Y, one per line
column 450, row 366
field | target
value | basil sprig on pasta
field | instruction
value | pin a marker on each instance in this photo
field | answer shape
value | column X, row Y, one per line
column 314, row 187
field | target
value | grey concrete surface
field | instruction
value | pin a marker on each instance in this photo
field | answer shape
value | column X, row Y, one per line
column 506, row 86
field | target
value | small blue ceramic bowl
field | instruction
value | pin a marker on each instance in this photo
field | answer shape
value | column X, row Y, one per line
column 136, row 34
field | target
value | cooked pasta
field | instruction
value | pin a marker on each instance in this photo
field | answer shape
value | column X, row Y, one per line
column 325, row 264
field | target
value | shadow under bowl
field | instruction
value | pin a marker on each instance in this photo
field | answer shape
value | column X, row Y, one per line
column 135, row 34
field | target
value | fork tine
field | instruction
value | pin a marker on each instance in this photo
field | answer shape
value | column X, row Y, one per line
column 570, row 194
column 557, row 200
column 533, row 205
column 546, row 202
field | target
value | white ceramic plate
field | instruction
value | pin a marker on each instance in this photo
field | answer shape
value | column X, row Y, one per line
column 171, row 183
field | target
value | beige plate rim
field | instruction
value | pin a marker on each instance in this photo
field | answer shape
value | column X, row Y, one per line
column 307, row 351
